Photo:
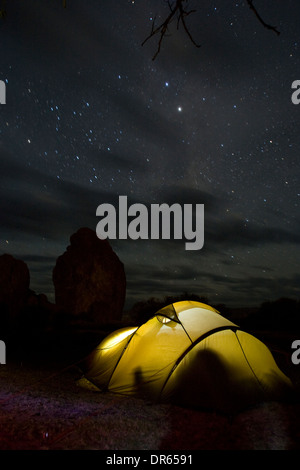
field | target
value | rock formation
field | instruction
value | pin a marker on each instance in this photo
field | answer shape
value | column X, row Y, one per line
column 14, row 286
column 89, row 279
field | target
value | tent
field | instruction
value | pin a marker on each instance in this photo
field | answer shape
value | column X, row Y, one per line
column 188, row 354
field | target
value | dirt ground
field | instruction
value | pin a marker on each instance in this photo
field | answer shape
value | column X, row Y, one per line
column 43, row 407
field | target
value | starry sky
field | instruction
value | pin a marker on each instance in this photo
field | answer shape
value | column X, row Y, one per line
column 89, row 116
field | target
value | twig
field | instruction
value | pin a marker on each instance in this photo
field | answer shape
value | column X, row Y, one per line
column 266, row 25
column 3, row 9
column 182, row 15
column 177, row 10
column 164, row 26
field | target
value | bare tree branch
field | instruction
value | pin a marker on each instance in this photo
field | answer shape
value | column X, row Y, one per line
column 177, row 11
column 266, row 25
column 181, row 17
column 3, row 9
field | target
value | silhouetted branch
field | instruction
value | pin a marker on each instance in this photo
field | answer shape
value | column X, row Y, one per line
column 266, row 25
column 177, row 11
column 3, row 9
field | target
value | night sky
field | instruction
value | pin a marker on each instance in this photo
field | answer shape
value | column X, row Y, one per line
column 90, row 116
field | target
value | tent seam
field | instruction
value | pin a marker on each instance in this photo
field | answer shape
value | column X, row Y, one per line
column 190, row 347
column 249, row 365
column 120, row 357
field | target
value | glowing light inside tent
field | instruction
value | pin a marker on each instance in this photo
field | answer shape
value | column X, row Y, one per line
column 117, row 337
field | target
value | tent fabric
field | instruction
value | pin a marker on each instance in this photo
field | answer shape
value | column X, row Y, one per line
column 188, row 354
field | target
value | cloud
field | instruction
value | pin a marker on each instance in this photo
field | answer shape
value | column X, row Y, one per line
column 39, row 204
column 236, row 232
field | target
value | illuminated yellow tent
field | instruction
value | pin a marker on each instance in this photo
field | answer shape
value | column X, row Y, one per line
column 188, row 354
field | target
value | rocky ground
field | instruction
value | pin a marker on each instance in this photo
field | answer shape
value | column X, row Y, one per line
column 44, row 407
